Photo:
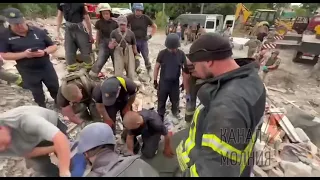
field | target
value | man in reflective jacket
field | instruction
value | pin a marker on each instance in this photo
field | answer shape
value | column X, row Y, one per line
column 225, row 125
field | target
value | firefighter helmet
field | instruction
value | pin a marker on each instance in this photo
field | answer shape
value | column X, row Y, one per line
column 104, row 7
column 172, row 41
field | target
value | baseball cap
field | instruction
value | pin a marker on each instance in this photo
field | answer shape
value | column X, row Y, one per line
column 13, row 16
column 109, row 90
column 210, row 46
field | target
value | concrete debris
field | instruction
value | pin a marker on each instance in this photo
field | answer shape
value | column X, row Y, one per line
column 291, row 154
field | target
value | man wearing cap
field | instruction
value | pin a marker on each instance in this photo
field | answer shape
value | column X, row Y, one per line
column 34, row 132
column 271, row 64
column 77, row 35
column 225, row 125
column 97, row 142
column 114, row 94
column 252, row 44
column 139, row 23
column 30, row 47
column 123, row 42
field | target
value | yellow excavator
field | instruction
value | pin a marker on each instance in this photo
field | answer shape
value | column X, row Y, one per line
column 262, row 17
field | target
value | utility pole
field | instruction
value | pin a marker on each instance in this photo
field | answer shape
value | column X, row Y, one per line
column 163, row 12
column 202, row 6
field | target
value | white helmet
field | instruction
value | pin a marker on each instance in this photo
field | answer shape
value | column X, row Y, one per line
column 103, row 7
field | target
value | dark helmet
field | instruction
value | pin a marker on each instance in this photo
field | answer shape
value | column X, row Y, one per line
column 172, row 41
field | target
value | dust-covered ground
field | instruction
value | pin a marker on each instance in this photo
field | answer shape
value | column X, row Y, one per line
column 291, row 83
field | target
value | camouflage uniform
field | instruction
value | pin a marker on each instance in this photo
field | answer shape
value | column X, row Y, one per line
column 272, row 61
column 252, row 44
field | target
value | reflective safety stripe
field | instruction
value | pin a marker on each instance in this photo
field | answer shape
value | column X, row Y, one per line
column 72, row 67
column 122, row 82
column 216, row 144
column 87, row 65
column 184, row 149
column 221, row 147
column 193, row 171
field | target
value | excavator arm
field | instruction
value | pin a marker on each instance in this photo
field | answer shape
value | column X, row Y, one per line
column 242, row 11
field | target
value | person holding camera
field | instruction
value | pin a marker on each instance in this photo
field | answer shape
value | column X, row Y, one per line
column 30, row 47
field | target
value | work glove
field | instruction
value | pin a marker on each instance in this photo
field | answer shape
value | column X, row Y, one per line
column 149, row 36
column 155, row 84
column 188, row 97
column 265, row 69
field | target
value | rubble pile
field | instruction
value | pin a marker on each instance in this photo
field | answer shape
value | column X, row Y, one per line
column 284, row 151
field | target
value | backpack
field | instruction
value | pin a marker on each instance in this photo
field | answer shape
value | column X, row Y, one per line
column 80, row 78
column 129, row 166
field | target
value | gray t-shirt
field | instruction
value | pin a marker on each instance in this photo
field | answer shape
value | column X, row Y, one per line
column 29, row 125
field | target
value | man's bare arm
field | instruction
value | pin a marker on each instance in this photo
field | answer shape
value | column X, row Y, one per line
column 13, row 56
column 68, row 111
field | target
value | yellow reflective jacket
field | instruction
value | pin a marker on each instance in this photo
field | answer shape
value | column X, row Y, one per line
column 225, row 127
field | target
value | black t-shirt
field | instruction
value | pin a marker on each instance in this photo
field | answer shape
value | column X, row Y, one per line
column 105, row 27
column 123, row 96
column 130, row 37
column 171, row 64
column 152, row 125
column 35, row 38
column 72, row 12
column 139, row 25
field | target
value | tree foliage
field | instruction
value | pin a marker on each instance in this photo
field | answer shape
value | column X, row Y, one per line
column 172, row 10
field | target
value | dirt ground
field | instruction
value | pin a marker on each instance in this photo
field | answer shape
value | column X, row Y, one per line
column 291, row 81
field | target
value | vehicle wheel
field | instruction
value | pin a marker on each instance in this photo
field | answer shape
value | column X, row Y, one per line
column 297, row 57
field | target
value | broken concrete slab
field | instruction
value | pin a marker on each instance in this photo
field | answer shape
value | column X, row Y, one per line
column 302, row 135
column 276, row 172
column 258, row 172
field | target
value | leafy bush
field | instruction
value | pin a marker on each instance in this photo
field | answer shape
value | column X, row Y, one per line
column 161, row 19
column 31, row 10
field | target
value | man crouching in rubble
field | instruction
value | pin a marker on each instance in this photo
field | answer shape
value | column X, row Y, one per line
column 150, row 126
column 74, row 96
column 125, row 50
column 30, row 47
column 34, row 132
column 113, row 95
column 272, row 63
column 97, row 143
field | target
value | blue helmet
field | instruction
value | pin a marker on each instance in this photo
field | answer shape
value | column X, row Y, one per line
column 94, row 135
column 137, row 6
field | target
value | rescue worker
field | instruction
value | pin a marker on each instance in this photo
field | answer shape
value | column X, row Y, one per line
column 170, row 61
column 253, row 44
column 34, row 132
column 225, row 125
column 114, row 94
column 139, row 23
column 104, row 26
column 179, row 30
column 194, row 29
column 97, row 143
column 77, row 35
column 271, row 64
column 150, row 126
column 74, row 97
column 30, row 47
column 123, row 42
column 191, row 87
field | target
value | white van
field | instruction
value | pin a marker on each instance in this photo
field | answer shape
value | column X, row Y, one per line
column 213, row 23
column 229, row 22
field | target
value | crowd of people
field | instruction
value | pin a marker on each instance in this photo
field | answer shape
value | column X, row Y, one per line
column 231, row 93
